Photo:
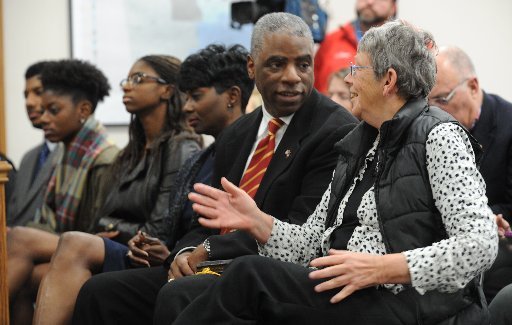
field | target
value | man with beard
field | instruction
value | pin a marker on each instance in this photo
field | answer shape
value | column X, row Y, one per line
column 36, row 164
column 338, row 49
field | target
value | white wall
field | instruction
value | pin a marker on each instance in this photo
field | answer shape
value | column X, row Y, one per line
column 39, row 29
column 33, row 30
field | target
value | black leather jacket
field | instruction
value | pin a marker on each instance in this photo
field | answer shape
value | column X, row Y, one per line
column 140, row 197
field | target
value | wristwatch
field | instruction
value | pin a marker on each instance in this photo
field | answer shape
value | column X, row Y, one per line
column 207, row 247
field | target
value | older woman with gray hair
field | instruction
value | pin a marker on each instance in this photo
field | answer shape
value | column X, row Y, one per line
column 400, row 236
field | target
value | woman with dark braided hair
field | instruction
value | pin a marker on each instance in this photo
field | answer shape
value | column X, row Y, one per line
column 139, row 181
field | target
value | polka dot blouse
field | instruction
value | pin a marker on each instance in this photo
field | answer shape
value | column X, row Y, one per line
column 459, row 194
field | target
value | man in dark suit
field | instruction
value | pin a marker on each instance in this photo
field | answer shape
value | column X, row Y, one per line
column 281, row 63
column 488, row 118
column 36, row 164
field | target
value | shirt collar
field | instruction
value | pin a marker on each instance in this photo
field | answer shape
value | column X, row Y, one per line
column 51, row 145
column 267, row 117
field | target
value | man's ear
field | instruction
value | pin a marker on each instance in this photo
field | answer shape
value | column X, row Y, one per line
column 474, row 86
column 250, row 67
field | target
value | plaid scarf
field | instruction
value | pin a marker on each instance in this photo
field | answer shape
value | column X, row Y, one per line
column 68, row 178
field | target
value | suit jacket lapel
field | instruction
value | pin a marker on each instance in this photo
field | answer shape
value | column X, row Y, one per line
column 484, row 130
column 23, row 186
column 241, row 144
column 25, row 181
column 44, row 174
column 40, row 181
column 289, row 146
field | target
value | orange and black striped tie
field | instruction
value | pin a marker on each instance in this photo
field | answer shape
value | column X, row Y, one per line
column 259, row 162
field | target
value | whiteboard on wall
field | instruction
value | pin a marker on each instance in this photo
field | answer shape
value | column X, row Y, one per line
column 112, row 34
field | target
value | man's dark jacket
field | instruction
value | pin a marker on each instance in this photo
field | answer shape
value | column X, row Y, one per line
column 494, row 132
column 296, row 178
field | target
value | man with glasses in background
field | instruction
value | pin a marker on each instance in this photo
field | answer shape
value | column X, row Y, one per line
column 488, row 117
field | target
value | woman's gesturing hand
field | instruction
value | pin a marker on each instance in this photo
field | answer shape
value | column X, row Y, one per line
column 233, row 209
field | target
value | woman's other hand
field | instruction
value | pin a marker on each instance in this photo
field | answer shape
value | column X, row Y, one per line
column 353, row 271
column 146, row 250
column 503, row 226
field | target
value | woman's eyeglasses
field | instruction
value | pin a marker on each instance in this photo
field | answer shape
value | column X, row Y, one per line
column 354, row 68
column 138, row 78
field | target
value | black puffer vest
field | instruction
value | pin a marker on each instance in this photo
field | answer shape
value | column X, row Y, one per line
column 407, row 214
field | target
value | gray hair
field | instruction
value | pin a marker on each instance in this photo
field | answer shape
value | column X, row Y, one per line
column 278, row 22
column 459, row 60
column 407, row 49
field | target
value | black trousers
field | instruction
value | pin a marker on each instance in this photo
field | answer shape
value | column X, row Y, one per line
column 122, row 297
column 259, row 290
column 501, row 314
column 175, row 296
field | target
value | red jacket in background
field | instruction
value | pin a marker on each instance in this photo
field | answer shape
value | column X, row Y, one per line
column 336, row 52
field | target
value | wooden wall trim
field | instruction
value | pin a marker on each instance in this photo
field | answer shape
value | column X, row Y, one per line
column 2, row 84
column 4, row 292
